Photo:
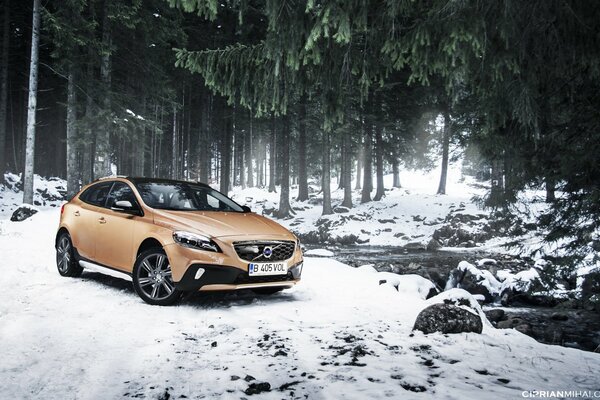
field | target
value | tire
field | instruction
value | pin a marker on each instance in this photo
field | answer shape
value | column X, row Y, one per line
column 152, row 279
column 268, row 290
column 66, row 263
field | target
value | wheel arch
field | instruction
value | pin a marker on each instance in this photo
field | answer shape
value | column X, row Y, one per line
column 148, row 243
column 61, row 230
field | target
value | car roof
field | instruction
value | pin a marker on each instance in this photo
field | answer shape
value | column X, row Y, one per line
column 136, row 180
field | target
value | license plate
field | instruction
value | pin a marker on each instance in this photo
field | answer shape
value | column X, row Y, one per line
column 257, row 269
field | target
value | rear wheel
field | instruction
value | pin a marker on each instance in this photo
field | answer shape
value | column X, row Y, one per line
column 152, row 278
column 65, row 257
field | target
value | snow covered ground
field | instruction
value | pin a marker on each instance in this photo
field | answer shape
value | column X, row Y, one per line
column 405, row 215
column 337, row 335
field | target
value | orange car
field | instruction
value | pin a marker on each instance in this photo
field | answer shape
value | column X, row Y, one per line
column 170, row 237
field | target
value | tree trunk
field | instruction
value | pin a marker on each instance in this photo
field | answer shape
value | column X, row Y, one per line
column 102, row 165
column 4, row 89
column 284, row 198
column 347, row 170
column 260, row 164
column 359, row 162
column 302, row 175
column 249, row 145
column 272, row 155
column 226, row 154
column 326, row 177
column 368, row 167
column 174, row 145
column 87, row 171
column 379, row 159
column 32, row 106
column 396, row 171
column 550, row 190
column 445, row 153
column 497, row 191
column 72, row 170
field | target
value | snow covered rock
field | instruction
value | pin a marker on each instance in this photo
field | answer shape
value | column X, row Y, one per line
column 447, row 318
column 23, row 212
column 410, row 284
column 526, row 288
column 474, row 280
column 319, row 253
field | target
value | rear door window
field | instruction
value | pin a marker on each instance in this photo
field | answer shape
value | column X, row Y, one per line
column 97, row 194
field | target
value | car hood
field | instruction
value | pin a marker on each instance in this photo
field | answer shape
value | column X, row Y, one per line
column 220, row 224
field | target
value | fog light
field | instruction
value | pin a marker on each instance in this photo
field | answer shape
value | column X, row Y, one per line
column 297, row 270
column 199, row 273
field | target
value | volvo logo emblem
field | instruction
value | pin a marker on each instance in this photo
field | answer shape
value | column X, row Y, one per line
column 267, row 252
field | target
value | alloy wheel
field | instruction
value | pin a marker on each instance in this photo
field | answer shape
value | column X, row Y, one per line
column 154, row 277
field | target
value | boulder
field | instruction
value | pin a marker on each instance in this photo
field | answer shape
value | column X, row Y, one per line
column 474, row 280
column 23, row 212
column 447, row 318
column 433, row 245
column 495, row 315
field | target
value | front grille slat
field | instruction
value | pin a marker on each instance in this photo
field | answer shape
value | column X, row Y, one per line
column 254, row 251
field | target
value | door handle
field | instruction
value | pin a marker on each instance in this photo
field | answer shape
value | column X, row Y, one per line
column 76, row 213
column 102, row 220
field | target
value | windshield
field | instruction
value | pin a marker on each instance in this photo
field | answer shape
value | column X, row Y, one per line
column 181, row 196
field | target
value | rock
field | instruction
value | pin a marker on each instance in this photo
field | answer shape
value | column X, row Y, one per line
column 23, row 212
column 256, row 388
column 341, row 210
column 433, row 245
column 559, row 317
column 504, row 324
column 414, row 246
column 524, row 329
column 516, row 298
column 475, row 281
column 447, row 318
column 495, row 315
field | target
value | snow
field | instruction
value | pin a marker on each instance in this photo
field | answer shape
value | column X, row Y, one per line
column 405, row 215
column 339, row 334
column 483, row 277
column 319, row 253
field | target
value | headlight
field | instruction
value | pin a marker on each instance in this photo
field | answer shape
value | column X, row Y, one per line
column 195, row 241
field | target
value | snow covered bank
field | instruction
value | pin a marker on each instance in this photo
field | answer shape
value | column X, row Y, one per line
column 339, row 334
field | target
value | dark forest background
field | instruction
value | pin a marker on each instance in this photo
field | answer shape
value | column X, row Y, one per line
column 279, row 93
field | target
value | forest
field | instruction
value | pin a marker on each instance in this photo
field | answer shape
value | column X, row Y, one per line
column 275, row 94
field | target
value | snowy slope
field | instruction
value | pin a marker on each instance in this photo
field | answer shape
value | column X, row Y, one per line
column 405, row 215
column 338, row 335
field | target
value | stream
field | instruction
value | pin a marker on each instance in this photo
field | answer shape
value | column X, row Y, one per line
column 558, row 325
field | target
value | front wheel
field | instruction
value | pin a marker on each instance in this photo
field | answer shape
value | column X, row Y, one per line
column 152, row 278
column 65, row 257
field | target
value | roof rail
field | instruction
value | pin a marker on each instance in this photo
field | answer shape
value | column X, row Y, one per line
column 109, row 177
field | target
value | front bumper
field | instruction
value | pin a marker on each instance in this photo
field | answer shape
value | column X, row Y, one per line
column 207, row 277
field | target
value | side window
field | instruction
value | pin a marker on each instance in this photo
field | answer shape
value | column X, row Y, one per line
column 120, row 191
column 97, row 194
column 213, row 202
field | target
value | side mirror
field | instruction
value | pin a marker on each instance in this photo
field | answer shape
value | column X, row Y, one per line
column 246, row 209
column 125, row 206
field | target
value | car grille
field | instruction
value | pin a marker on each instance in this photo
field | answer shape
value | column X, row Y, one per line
column 244, row 278
column 255, row 251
